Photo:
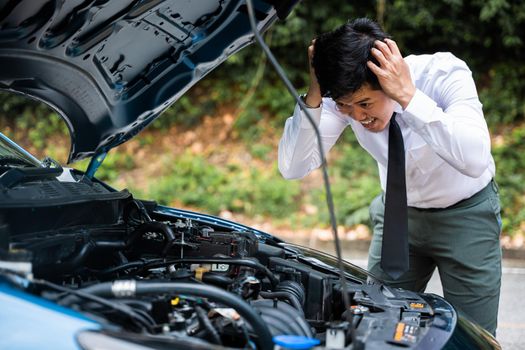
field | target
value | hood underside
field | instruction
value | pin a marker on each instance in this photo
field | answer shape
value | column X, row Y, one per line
column 111, row 67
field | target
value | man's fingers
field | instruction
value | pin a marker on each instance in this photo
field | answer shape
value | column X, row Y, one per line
column 380, row 57
column 393, row 47
column 384, row 48
column 374, row 68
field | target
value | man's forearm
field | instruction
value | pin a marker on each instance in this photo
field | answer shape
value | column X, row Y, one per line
column 298, row 148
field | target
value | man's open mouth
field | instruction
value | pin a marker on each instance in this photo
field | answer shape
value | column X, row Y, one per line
column 368, row 121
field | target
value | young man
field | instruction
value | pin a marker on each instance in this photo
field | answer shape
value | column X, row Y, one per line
column 359, row 79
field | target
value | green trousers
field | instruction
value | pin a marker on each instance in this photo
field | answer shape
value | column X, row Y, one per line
column 462, row 241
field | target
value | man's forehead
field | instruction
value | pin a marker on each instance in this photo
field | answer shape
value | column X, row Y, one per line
column 361, row 95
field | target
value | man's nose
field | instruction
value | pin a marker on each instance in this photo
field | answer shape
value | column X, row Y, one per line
column 358, row 115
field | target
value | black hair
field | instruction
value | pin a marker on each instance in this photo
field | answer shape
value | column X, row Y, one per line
column 340, row 57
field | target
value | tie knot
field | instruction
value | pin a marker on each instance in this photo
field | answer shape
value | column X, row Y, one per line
column 393, row 118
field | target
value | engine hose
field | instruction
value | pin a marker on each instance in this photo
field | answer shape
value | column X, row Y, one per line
column 79, row 259
column 74, row 295
column 131, row 287
column 206, row 323
column 115, row 269
column 283, row 295
column 155, row 226
column 279, row 315
column 242, row 262
column 294, row 288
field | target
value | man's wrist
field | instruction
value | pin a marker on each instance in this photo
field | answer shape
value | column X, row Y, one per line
column 303, row 98
column 405, row 99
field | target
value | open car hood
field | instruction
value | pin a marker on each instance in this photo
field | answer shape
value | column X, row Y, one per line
column 111, row 67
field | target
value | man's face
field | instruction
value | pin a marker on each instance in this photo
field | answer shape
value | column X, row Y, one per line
column 372, row 108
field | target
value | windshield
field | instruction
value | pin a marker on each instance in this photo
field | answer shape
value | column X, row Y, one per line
column 13, row 155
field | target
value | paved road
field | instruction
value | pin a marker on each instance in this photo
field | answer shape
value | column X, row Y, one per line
column 511, row 318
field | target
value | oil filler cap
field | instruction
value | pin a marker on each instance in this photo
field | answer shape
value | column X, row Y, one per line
column 284, row 342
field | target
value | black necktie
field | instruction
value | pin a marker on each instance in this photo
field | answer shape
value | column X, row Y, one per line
column 394, row 250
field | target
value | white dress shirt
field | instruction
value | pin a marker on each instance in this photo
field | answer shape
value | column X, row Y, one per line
column 446, row 137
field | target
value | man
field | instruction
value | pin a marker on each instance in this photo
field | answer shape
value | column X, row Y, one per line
column 359, row 79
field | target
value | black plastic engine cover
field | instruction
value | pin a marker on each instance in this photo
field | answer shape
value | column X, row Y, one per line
column 106, row 210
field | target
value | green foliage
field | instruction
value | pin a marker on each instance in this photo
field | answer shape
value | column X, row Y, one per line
column 20, row 113
column 114, row 164
column 502, row 98
column 261, row 151
column 510, row 162
column 193, row 181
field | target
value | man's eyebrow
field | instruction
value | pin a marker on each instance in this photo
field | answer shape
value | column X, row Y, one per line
column 366, row 99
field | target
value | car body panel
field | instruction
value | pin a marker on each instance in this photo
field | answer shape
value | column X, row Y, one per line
column 30, row 322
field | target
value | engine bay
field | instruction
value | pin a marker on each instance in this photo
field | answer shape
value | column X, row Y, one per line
column 141, row 271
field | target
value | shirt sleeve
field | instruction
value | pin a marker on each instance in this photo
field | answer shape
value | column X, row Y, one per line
column 449, row 117
column 298, row 153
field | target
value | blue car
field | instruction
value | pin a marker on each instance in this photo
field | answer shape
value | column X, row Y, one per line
column 87, row 266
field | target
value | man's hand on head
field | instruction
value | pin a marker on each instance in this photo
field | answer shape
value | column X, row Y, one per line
column 393, row 72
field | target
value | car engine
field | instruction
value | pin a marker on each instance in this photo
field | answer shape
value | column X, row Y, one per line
column 163, row 276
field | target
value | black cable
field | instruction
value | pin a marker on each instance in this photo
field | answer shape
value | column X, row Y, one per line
column 329, row 198
column 283, row 295
column 207, row 325
column 124, row 309
column 126, row 266
column 243, row 262
column 244, row 331
column 140, row 307
column 200, row 290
